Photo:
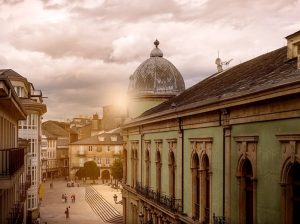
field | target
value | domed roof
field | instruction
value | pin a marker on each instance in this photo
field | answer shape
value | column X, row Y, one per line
column 156, row 77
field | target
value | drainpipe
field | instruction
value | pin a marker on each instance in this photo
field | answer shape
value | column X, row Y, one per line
column 142, row 137
column 182, row 159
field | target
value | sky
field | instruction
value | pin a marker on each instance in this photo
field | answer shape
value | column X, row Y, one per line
column 80, row 53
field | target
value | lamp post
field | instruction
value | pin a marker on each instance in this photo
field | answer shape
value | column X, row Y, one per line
column 115, row 200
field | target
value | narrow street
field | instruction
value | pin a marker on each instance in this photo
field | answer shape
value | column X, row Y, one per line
column 52, row 208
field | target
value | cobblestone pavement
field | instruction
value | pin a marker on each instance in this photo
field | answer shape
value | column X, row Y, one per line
column 52, row 208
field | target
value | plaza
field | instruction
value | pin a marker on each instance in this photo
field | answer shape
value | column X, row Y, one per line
column 52, row 208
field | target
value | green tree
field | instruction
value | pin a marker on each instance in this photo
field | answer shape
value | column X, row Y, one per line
column 91, row 170
column 80, row 173
column 117, row 169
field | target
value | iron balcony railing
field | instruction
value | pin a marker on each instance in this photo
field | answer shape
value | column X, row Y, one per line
column 168, row 202
column 16, row 214
column 220, row 220
column 11, row 160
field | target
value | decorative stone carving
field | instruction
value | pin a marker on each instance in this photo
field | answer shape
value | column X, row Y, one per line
column 246, row 149
column 201, row 147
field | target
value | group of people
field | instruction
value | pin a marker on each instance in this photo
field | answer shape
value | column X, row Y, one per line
column 64, row 198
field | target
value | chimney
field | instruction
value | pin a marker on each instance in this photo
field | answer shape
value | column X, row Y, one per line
column 293, row 47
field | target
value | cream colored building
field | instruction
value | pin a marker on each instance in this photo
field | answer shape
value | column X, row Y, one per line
column 30, row 129
column 102, row 148
column 13, row 179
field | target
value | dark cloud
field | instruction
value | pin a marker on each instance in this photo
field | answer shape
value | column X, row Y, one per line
column 80, row 53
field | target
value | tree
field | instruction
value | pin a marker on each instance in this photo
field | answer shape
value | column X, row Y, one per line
column 80, row 173
column 91, row 170
column 117, row 169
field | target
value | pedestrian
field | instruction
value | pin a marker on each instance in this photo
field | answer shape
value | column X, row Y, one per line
column 66, row 198
column 67, row 212
column 74, row 198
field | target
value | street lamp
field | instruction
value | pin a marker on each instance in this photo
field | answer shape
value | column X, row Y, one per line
column 115, row 200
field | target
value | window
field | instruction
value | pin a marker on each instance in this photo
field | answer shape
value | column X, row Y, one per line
column 101, row 138
column 113, row 138
column 90, row 148
column 99, row 148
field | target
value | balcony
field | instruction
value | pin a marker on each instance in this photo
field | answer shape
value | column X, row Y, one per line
column 168, row 202
column 11, row 160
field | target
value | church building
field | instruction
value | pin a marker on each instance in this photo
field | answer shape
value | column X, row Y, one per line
column 226, row 150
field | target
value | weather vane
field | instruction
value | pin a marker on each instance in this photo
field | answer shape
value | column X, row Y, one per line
column 220, row 63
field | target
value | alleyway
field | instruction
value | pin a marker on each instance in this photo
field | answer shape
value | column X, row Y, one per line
column 52, row 208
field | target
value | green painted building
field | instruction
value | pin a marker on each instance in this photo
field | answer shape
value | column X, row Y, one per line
column 226, row 150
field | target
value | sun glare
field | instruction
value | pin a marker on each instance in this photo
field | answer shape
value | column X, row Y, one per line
column 120, row 101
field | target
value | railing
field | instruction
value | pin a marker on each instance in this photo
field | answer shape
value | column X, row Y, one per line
column 16, row 214
column 220, row 220
column 11, row 160
column 168, row 202
column 196, row 215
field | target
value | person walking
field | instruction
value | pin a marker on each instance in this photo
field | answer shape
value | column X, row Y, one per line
column 74, row 197
column 67, row 212
column 66, row 198
column 63, row 198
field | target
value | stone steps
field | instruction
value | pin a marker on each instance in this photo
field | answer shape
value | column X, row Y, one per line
column 101, row 207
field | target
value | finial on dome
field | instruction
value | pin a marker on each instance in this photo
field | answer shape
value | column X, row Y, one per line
column 156, row 52
column 156, row 43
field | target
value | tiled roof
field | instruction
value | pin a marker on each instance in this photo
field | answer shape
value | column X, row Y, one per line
column 261, row 73
column 54, row 128
column 94, row 140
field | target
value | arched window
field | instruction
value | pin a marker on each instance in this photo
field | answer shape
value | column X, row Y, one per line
column 147, row 160
column 292, row 194
column 125, row 166
column 196, row 186
column 205, row 189
column 132, row 167
column 135, row 167
column 158, row 172
column 246, row 193
column 172, row 182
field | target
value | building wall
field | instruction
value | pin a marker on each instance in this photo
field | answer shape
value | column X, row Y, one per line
column 268, row 166
column 103, row 155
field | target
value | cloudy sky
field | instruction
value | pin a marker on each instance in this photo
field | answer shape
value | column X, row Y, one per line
column 80, row 53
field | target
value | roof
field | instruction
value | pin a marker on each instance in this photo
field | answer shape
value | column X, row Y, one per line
column 94, row 140
column 261, row 73
column 55, row 129
column 156, row 76
column 293, row 34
